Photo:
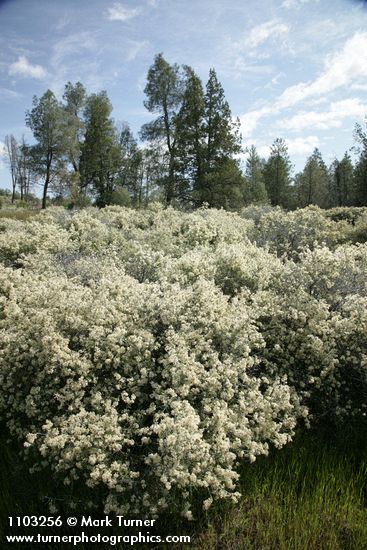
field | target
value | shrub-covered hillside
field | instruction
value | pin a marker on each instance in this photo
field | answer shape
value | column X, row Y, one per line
column 149, row 353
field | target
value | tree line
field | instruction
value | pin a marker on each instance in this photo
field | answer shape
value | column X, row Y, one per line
column 188, row 154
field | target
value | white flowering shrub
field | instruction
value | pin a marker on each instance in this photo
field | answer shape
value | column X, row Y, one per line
column 359, row 233
column 145, row 389
column 286, row 233
column 146, row 353
column 314, row 325
column 349, row 213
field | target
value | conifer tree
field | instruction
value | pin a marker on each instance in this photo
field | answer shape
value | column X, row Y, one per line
column 223, row 182
column 277, row 171
column 100, row 153
column 255, row 191
column 361, row 167
column 191, row 137
column 314, row 182
column 130, row 174
column 164, row 98
column 342, row 182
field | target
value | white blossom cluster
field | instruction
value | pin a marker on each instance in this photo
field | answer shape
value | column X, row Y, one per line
column 287, row 233
column 146, row 353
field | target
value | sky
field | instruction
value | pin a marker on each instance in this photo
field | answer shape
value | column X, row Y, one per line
column 295, row 69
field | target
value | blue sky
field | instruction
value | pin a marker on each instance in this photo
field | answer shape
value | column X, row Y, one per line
column 290, row 68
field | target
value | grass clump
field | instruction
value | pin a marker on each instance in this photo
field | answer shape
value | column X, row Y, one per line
column 20, row 214
column 311, row 495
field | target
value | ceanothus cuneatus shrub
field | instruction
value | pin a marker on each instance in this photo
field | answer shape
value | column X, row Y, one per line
column 147, row 353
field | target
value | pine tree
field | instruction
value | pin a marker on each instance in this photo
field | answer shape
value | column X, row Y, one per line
column 191, row 137
column 342, row 182
column 276, row 172
column 164, row 98
column 255, row 191
column 100, row 153
column 314, row 182
column 361, row 166
column 130, row 175
column 223, row 183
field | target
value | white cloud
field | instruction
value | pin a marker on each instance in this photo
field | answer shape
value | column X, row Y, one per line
column 298, row 146
column 23, row 67
column 288, row 4
column 326, row 119
column 302, row 145
column 263, row 150
column 359, row 87
column 76, row 56
column 9, row 94
column 340, row 70
column 2, row 154
column 119, row 12
column 71, row 45
column 247, row 54
column 344, row 68
column 249, row 120
column 259, row 34
column 135, row 47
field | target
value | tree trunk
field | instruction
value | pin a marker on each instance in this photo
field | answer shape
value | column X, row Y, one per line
column 170, row 183
column 44, row 197
column 47, row 181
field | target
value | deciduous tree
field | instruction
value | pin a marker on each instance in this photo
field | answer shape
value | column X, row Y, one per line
column 47, row 122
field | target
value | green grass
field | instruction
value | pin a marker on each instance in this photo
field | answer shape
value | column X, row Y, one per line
column 18, row 214
column 310, row 495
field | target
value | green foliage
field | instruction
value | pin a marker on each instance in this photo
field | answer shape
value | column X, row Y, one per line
column 361, row 178
column 191, row 138
column 199, row 136
column 277, row 174
column 21, row 214
column 21, row 204
column 75, row 99
column 223, row 141
column 342, row 189
column 190, row 158
column 164, row 96
column 223, row 187
column 308, row 495
column 100, row 152
column 361, row 166
column 48, row 126
column 120, row 197
column 255, row 191
column 131, row 174
column 313, row 183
